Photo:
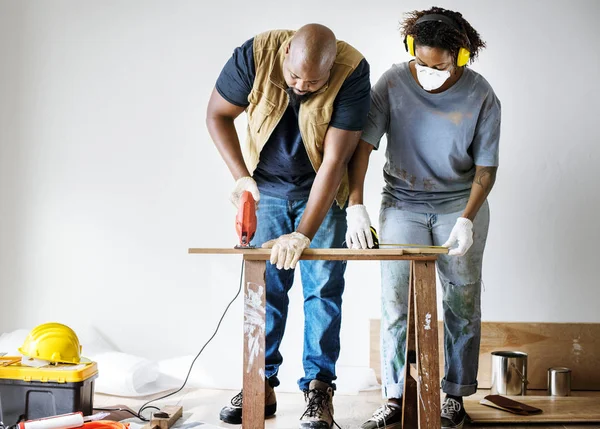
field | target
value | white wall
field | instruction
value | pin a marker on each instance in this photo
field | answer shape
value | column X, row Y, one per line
column 108, row 174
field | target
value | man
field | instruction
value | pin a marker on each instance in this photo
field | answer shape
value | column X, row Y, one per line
column 442, row 122
column 306, row 96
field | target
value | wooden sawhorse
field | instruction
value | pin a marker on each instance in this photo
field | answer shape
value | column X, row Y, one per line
column 422, row 382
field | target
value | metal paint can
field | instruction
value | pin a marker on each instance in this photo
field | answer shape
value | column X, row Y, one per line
column 509, row 373
column 559, row 381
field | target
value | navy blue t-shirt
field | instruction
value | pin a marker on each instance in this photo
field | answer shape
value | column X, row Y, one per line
column 284, row 169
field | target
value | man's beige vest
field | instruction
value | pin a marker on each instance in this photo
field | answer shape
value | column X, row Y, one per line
column 269, row 101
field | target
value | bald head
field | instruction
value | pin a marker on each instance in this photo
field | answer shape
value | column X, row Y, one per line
column 309, row 58
column 314, row 45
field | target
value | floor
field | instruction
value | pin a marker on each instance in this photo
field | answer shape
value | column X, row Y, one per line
column 350, row 410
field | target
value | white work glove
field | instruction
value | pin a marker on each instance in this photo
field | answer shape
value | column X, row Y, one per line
column 245, row 183
column 358, row 234
column 461, row 236
column 287, row 249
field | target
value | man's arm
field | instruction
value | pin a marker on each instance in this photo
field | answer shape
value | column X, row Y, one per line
column 219, row 120
column 357, row 170
column 484, row 180
column 350, row 112
column 338, row 147
column 358, row 233
column 375, row 127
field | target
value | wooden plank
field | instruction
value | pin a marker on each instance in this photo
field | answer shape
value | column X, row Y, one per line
column 253, row 410
column 173, row 413
column 426, row 330
column 424, row 250
column 346, row 257
column 567, row 409
column 410, row 405
column 574, row 345
column 332, row 254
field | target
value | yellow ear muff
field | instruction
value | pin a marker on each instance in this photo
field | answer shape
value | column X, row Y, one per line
column 463, row 57
column 410, row 44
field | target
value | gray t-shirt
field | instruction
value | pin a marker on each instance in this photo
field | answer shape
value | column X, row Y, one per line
column 434, row 140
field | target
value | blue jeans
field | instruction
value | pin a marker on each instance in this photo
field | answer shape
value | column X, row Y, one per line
column 322, row 286
column 461, row 286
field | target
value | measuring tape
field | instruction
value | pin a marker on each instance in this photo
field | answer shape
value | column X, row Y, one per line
column 377, row 244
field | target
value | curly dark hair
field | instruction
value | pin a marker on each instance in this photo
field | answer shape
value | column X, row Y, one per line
column 440, row 35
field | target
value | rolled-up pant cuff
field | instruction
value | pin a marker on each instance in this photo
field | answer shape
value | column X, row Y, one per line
column 454, row 389
column 272, row 380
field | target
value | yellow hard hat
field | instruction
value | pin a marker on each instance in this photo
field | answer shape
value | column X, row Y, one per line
column 52, row 342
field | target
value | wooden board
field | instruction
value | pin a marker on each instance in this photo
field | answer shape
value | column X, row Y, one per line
column 255, row 294
column 567, row 409
column 574, row 345
column 173, row 413
column 426, row 340
column 332, row 254
column 410, row 402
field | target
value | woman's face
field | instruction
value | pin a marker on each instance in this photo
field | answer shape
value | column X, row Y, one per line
column 435, row 69
column 435, row 58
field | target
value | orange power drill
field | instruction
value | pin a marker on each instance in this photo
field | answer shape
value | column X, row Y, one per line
column 245, row 221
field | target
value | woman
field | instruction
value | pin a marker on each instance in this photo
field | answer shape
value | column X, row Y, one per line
column 442, row 122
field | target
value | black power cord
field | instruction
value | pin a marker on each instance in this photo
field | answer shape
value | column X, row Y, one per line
column 147, row 405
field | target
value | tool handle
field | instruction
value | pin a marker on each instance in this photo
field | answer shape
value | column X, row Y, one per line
column 245, row 221
column 63, row 421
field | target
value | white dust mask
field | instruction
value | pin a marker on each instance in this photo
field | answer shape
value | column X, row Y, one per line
column 431, row 79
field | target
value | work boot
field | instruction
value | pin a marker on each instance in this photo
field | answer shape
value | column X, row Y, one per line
column 319, row 406
column 387, row 416
column 232, row 414
column 453, row 413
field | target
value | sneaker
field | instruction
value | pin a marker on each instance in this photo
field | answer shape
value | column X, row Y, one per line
column 232, row 414
column 319, row 406
column 387, row 416
column 453, row 414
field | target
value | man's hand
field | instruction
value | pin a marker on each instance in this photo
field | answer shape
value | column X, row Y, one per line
column 358, row 234
column 287, row 249
column 461, row 236
column 243, row 184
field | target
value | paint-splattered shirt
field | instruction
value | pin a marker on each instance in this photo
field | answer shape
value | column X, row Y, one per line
column 434, row 141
